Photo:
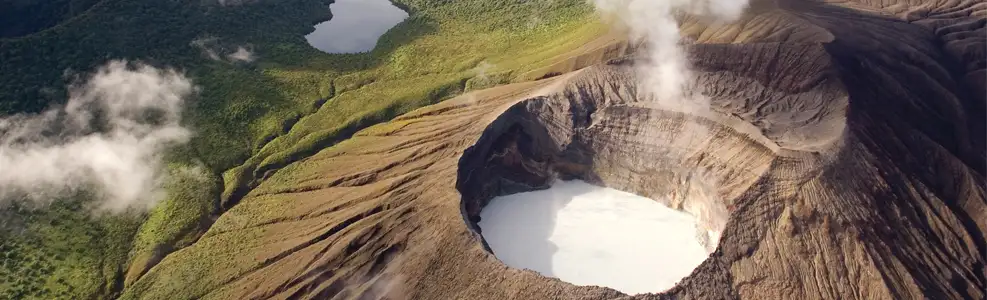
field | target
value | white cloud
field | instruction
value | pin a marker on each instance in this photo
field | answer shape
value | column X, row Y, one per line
column 108, row 138
column 212, row 48
column 241, row 55
column 207, row 45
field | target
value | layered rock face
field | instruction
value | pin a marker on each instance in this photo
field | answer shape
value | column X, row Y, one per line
column 841, row 156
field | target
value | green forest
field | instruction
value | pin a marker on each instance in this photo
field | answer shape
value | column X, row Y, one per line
column 248, row 118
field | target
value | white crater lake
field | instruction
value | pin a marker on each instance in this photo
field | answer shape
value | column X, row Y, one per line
column 355, row 25
column 589, row 235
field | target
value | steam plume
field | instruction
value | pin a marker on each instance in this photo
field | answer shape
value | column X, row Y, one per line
column 665, row 77
column 108, row 139
column 666, row 74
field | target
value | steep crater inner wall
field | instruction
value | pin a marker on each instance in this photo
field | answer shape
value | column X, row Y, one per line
column 605, row 137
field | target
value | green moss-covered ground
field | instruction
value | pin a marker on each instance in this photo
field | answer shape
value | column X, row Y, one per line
column 249, row 118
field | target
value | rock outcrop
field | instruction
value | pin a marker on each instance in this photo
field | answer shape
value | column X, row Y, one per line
column 842, row 156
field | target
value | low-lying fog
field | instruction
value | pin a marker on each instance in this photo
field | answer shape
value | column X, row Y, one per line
column 355, row 25
column 590, row 235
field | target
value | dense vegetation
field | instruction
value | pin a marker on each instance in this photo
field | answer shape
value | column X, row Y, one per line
column 249, row 117
column 22, row 17
column 60, row 253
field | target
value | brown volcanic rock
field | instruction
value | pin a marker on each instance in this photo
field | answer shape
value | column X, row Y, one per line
column 850, row 160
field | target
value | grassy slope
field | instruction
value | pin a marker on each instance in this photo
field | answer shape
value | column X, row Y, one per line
column 251, row 118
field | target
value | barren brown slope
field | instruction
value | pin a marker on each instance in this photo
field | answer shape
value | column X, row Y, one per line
column 846, row 146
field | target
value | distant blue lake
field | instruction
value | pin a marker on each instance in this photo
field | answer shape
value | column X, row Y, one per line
column 356, row 25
